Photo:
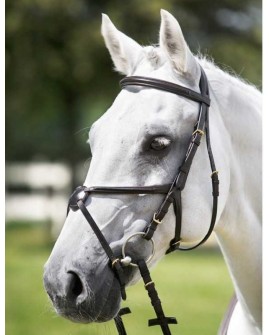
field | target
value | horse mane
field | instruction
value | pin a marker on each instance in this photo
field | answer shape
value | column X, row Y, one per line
column 153, row 57
column 221, row 74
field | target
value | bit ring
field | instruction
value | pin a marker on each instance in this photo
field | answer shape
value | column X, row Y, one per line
column 130, row 237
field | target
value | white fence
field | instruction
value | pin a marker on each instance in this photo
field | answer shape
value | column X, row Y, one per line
column 37, row 192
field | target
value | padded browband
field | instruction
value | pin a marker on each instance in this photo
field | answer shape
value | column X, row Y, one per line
column 165, row 86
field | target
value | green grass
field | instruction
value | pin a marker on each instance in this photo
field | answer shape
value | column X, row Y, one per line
column 193, row 286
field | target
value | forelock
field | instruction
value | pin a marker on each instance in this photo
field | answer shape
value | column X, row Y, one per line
column 152, row 57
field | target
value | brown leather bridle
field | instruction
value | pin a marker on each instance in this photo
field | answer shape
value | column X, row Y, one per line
column 171, row 191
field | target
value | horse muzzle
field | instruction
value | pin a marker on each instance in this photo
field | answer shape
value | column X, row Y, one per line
column 83, row 298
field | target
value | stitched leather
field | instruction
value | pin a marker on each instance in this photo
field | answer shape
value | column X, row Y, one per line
column 164, row 86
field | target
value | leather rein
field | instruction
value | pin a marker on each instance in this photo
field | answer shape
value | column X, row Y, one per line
column 172, row 196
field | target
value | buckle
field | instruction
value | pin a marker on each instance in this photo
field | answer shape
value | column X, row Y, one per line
column 157, row 221
column 78, row 194
column 151, row 228
column 198, row 131
column 213, row 173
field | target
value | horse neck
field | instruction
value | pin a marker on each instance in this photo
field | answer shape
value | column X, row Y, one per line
column 239, row 228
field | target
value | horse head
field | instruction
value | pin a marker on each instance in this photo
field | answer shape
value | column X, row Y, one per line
column 140, row 141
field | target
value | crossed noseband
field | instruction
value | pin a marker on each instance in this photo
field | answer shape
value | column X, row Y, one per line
column 172, row 196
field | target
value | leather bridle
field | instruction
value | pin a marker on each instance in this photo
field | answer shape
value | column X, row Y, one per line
column 172, row 195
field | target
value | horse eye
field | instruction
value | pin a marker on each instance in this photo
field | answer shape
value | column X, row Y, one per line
column 160, row 143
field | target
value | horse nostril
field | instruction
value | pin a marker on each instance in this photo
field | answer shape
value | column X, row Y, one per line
column 75, row 286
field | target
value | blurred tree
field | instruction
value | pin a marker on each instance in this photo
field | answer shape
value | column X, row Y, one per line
column 58, row 72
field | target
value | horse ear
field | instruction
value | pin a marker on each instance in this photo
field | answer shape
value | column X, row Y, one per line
column 123, row 50
column 172, row 41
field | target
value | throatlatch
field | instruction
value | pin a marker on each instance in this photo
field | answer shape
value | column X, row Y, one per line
column 172, row 194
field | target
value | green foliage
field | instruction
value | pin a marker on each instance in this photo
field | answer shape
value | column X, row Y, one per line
column 59, row 74
column 194, row 287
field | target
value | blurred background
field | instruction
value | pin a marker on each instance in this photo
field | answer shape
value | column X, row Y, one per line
column 59, row 80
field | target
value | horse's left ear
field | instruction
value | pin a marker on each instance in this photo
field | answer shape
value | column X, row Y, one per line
column 172, row 41
column 123, row 49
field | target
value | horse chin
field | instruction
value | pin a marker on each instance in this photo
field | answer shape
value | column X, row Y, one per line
column 85, row 314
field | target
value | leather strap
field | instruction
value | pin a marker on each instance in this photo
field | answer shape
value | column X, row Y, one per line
column 114, row 261
column 119, row 322
column 155, row 189
column 181, row 178
column 161, row 319
column 177, row 204
column 164, row 86
column 204, row 118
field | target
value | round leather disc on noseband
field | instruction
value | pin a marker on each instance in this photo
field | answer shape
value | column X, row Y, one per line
column 78, row 194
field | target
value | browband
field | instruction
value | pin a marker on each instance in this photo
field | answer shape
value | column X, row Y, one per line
column 164, row 85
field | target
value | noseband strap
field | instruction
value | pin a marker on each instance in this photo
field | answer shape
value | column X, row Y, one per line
column 158, row 189
column 171, row 191
column 76, row 201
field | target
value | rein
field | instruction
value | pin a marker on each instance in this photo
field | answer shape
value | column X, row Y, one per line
column 172, row 192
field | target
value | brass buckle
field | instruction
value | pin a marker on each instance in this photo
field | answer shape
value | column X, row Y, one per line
column 157, row 221
column 214, row 172
column 115, row 261
column 199, row 131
